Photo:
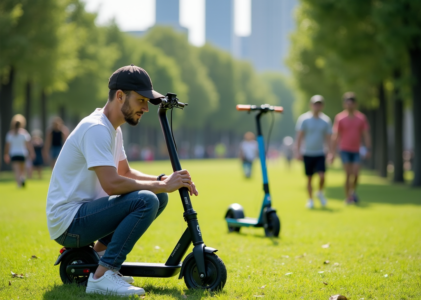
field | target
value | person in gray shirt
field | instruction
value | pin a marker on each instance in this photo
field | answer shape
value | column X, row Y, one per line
column 314, row 128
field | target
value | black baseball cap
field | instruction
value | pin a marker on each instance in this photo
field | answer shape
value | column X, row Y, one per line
column 134, row 78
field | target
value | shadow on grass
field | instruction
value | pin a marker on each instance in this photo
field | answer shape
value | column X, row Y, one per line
column 274, row 240
column 379, row 193
column 72, row 291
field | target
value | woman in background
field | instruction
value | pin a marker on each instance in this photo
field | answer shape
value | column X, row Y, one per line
column 38, row 144
column 18, row 146
column 54, row 140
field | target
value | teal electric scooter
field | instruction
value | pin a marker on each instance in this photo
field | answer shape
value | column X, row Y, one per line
column 268, row 219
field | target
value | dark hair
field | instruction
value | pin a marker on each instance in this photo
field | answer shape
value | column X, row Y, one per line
column 349, row 96
column 17, row 126
column 111, row 94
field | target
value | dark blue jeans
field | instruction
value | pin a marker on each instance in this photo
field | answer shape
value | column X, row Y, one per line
column 116, row 221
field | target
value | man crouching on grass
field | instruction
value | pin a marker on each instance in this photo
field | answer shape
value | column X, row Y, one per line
column 94, row 195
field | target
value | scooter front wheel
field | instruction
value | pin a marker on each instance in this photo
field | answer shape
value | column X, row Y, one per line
column 273, row 225
column 215, row 270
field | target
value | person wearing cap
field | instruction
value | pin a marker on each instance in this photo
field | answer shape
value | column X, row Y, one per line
column 349, row 127
column 94, row 195
column 314, row 128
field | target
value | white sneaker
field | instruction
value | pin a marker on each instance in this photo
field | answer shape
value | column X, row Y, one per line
column 111, row 283
column 127, row 279
column 322, row 198
column 310, row 204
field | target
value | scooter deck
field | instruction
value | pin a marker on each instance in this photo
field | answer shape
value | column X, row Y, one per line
column 149, row 269
column 245, row 222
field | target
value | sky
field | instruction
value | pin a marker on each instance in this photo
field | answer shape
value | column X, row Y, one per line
column 132, row 15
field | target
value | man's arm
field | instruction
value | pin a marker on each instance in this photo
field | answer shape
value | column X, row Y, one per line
column 328, row 141
column 299, row 140
column 367, row 141
column 114, row 184
column 125, row 170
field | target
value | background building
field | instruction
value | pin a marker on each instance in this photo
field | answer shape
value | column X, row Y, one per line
column 219, row 24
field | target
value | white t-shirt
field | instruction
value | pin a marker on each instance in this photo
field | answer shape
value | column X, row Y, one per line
column 18, row 142
column 94, row 142
column 249, row 149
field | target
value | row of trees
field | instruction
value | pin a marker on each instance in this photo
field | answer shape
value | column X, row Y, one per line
column 54, row 60
column 372, row 47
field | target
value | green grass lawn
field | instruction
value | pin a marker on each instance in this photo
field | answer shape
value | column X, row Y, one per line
column 374, row 249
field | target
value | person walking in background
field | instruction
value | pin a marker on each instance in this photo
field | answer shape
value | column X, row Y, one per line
column 17, row 148
column 349, row 127
column 54, row 140
column 288, row 149
column 38, row 144
column 248, row 152
column 315, row 129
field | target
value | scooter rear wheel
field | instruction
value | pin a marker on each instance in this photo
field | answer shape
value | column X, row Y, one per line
column 273, row 226
column 215, row 270
column 73, row 258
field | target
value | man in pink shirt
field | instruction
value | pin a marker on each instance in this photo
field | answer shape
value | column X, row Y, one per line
column 349, row 127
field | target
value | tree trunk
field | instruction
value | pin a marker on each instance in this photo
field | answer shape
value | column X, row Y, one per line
column 415, row 60
column 398, row 143
column 6, row 112
column 28, row 104
column 382, row 157
column 44, row 117
column 62, row 113
column 371, row 116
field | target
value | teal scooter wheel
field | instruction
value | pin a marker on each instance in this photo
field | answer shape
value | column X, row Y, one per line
column 273, row 225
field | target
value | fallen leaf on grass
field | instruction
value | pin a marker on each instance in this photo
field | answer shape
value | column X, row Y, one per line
column 338, row 297
column 385, row 275
column 287, row 274
column 157, row 247
column 325, row 283
column 321, row 272
column 326, row 262
column 14, row 275
column 262, row 287
column 326, row 246
column 34, row 257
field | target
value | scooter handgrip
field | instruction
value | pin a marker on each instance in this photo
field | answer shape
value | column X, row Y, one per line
column 243, row 107
column 278, row 109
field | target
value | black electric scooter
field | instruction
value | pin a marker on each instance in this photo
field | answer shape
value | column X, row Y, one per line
column 268, row 219
column 201, row 269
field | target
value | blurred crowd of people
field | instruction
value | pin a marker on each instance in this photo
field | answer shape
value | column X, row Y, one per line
column 28, row 152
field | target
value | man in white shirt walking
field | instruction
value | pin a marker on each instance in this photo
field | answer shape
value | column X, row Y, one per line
column 94, row 195
column 315, row 129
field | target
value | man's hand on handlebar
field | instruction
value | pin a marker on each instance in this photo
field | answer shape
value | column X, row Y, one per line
column 178, row 180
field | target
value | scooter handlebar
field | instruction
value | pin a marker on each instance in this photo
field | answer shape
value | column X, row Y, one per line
column 264, row 107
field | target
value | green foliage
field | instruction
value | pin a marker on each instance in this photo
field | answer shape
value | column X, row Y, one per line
column 285, row 97
column 201, row 94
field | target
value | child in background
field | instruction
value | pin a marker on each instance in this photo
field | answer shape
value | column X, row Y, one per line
column 248, row 152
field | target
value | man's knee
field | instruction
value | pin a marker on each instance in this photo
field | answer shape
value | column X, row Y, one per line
column 149, row 199
column 163, row 200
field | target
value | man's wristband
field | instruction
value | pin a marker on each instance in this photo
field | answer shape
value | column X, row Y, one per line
column 159, row 178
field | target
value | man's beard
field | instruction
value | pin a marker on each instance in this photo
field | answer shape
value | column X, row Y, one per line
column 128, row 113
